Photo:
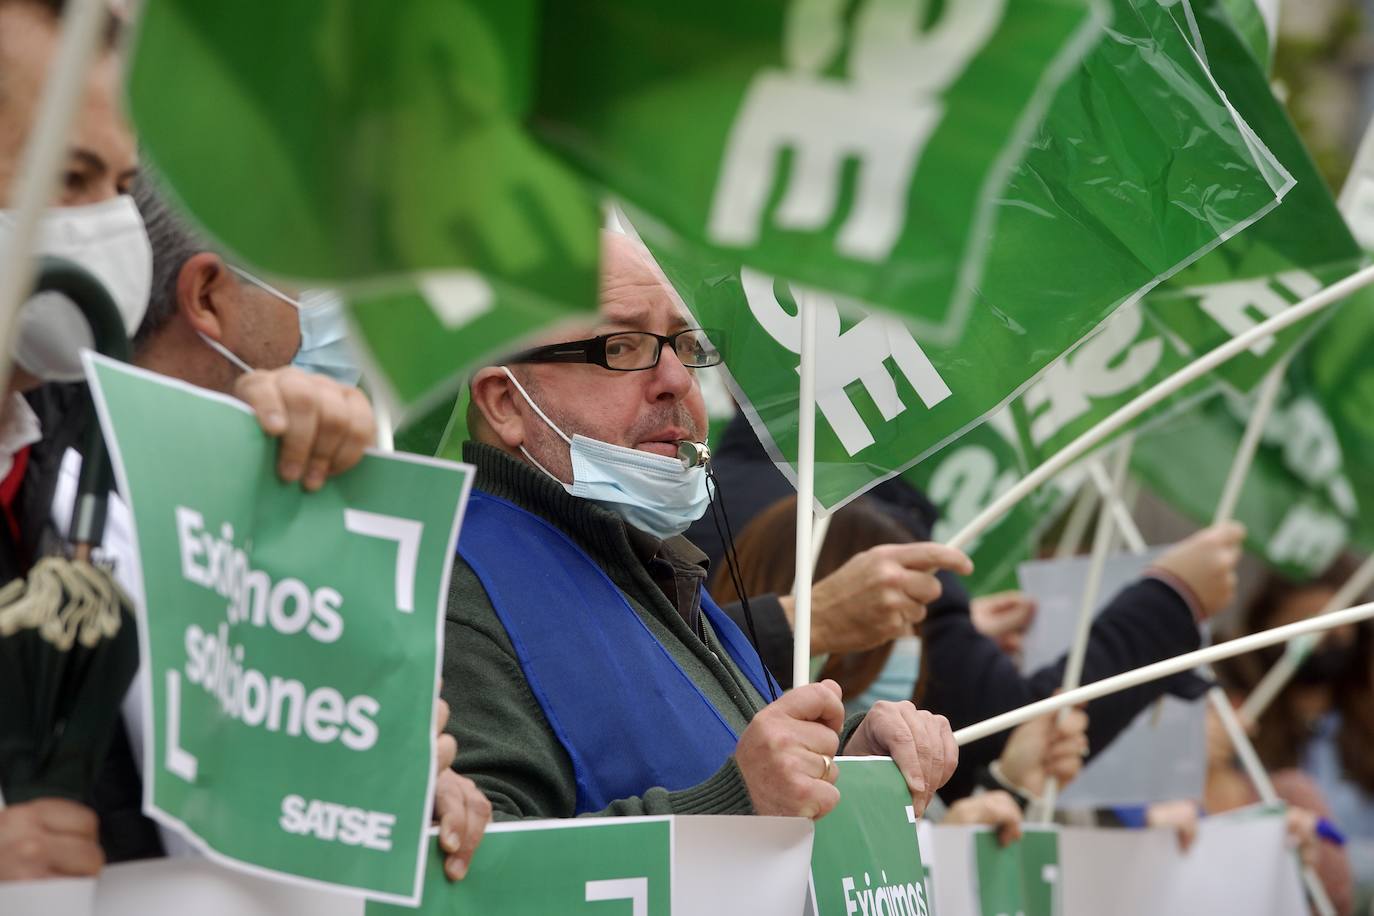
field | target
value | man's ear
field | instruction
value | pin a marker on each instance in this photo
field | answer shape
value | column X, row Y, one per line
column 205, row 285
column 493, row 394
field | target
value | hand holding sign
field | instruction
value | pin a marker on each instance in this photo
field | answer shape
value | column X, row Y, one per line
column 323, row 425
column 291, row 636
column 787, row 754
column 48, row 838
column 920, row 743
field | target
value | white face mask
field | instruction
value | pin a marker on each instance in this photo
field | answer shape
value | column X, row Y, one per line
column 108, row 239
column 654, row 493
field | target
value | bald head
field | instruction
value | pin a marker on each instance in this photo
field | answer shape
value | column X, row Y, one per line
column 649, row 409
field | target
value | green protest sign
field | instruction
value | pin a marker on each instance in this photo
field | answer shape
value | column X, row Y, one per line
column 862, row 149
column 293, row 640
column 627, row 866
column 608, row 866
column 342, row 141
column 1020, row 878
column 866, row 858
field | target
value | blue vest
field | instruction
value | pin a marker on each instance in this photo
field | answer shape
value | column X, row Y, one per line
column 627, row 714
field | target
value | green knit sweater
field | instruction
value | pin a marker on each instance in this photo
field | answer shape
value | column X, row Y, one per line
column 505, row 743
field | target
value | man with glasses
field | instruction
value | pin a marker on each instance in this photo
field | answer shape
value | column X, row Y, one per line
column 588, row 670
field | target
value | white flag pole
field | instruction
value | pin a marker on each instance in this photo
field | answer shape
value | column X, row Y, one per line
column 1249, row 442
column 1296, row 652
column 1113, row 496
column 806, row 493
column 1076, row 524
column 45, row 156
column 1153, row 672
column 1144, row 401
column 1103, row 541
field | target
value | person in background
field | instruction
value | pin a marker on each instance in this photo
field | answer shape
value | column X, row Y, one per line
column 967, row 676
column 1317, row 736
column 895, row 670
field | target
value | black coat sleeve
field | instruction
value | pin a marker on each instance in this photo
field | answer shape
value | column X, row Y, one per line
column 970, row 679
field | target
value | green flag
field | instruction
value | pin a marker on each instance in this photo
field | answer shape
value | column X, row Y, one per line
column 292, row 640
column 858, row 147
column 1297, row 503
column 1257, row 23
column 1288, row 254
column 1336, row 370
column 1067, row 250
column 963, row 478
column 339, row 141
column 879, row 151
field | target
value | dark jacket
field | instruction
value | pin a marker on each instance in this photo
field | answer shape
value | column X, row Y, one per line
column 970, row 679
column 65, row 414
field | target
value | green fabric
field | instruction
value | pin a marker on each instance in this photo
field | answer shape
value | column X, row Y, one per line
column 505, row 743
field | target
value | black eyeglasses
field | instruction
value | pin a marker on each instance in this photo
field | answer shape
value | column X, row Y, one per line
column 629, row 351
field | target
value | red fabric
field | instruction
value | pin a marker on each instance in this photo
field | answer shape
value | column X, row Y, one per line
column 9, row 488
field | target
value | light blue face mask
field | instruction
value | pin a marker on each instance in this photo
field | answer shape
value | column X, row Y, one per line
column 897, row 680
column 324, row 332
column 655, row 493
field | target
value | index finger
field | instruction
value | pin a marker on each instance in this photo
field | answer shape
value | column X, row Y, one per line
column 259, row 391
column 928, row 555
column 814, row 703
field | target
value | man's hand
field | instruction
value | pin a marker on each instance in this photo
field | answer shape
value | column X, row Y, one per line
column 323, row 425
column 1004, row 618
column 1045, row 747
column 463, row 813
column 920, row 743
column 460, row 808
column 1206, row 564
column 787, row 754
column 49, row 838
column 995, row 809
column 877, row 595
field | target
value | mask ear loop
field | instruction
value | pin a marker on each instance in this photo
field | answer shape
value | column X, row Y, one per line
column 224, row 351
column 267, row 287
column 524, row 451
column 727, row 538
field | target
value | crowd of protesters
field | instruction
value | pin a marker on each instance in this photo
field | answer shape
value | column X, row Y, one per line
column 617, row 681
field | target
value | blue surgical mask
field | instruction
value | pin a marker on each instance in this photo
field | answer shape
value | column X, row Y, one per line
column 654, row 493
column 324, row 332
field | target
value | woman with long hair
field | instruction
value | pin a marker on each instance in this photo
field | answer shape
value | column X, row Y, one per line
column 767, row 565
